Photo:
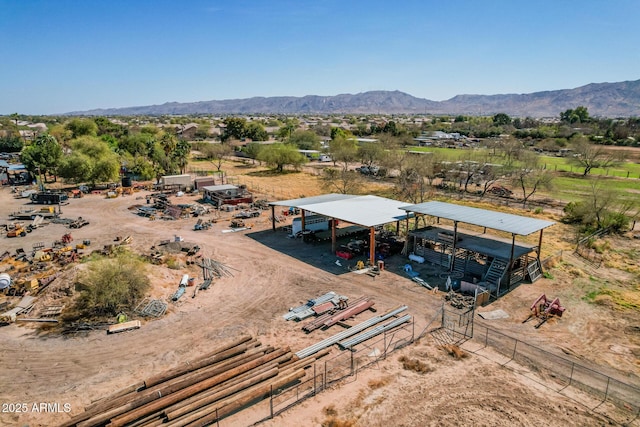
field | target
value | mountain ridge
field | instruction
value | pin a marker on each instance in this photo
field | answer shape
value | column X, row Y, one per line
column 621, row 99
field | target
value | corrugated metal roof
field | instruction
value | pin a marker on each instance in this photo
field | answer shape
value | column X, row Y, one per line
column 367, row 211
column 300, row 203
column 222, row 187
column 514, row 224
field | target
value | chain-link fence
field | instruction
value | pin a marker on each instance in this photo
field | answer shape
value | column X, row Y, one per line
column 559, row 373
column 323, row 373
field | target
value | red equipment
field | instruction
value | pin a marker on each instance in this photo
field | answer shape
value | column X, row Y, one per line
column 544, row 309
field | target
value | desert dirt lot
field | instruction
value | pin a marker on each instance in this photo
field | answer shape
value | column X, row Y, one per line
column 271, row 274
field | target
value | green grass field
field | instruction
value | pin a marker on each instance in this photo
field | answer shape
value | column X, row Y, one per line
column 568, row 185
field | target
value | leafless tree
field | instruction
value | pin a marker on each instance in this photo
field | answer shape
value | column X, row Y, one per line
column 589, row 156
column 529, row 177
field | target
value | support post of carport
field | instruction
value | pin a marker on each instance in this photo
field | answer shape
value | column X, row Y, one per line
column 540, row 248
column 372, row 246
column 273, row 217
column 513, row 246
column 333, row 236
column 453, row 248
column 302, row 223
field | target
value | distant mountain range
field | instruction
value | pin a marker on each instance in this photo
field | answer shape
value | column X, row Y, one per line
column 602, row 99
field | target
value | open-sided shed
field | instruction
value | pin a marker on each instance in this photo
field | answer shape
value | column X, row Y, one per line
column 488, row 258
column 365, row 211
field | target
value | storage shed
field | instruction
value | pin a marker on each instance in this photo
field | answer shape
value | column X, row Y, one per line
column 226, row 194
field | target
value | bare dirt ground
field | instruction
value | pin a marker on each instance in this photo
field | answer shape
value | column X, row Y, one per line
column 39, row 366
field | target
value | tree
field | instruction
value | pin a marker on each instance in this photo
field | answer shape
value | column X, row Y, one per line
column 11, row 143
column 589, row 156
column 305, row 139
column 256, row 132
column 180, row 154
column 280, row 155
column 43, row 155
column 216, row 153
column 135, row 144
column 62, row 134
column 252, row 150
column 602, row 207
column 90, row 161
column 110, row 286
column 511, row 150
column 411, row 181
column 530, row 178
column 339, row 133
column 501, row 119
column 370, row 153
column 234, row 128
column 341, row 181
column 579, row 115
column 287, row 129
column 107, row 127
column 82, row 127
column 344, row 151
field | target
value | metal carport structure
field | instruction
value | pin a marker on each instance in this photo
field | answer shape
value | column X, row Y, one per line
column 366, row 211
column 504, row 222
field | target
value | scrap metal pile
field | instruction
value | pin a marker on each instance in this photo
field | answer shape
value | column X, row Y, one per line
column 459, row 300
column 162, row 208
column 201, row 391
column 329, row 309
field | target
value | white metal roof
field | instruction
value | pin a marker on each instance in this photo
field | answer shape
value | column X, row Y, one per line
column 301, row 203
column 514, row 224
column 221, row 187
column 367, row 211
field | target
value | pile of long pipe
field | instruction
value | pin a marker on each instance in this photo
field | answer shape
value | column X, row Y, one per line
column 319, row 321
column 348, row 333
column 216, row 384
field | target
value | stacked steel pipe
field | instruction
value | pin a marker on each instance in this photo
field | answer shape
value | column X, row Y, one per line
column 329, row 319
column 201, row 391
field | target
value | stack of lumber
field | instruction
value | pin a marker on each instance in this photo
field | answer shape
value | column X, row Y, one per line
column 202, row 391
column 329, row 319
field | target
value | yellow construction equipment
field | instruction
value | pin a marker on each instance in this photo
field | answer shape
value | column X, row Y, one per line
column 17, row 231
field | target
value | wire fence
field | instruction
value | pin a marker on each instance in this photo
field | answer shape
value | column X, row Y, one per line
column 618, row 173
column 596, row 390
column 560, row 373
column 326, row 372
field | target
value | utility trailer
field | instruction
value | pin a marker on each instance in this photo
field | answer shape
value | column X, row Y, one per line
column 48, row 198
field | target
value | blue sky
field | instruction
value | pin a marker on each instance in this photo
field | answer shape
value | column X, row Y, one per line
column 68, row 55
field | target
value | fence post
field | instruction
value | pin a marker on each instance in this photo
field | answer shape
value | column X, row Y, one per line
column 573, row 365
column 514, row 350
column 384, row 354
column 314, row 379
column 413, row 330
column 606, row 392
column 217, row 418
column 271, row 400
column 351, row 350
column 486, row 337
column 325, row 375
